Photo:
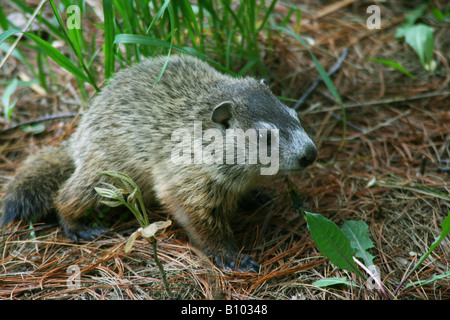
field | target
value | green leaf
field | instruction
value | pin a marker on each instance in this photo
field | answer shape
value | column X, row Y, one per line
column 34, row 128
column 356, row 232
column 8, row 106
column 420, row 38
column 331, row 241
column 394, row 65
column 410, row 20
column 327, row 282
column 6, row 34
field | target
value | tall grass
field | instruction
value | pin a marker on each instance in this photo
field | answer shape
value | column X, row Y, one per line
column 236, row 37
column 216, row 30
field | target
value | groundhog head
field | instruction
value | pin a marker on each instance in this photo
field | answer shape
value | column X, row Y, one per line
column 267, row 132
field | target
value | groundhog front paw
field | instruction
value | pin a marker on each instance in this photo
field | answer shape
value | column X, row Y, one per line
column 84, row 233
column 234, row 261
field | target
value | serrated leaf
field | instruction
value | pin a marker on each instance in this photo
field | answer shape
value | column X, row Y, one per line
column 327, row 282
column 331, row 241
column 356, row 231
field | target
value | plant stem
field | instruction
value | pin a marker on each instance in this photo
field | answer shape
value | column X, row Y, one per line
column 152, row 241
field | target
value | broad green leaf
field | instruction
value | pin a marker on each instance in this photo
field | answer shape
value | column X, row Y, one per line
column 411, row 18
column 420, row 38
column 356, row 232
column 331, row 241
column 327, row 282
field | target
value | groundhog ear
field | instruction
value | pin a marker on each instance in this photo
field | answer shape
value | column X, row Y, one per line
column 221, row 113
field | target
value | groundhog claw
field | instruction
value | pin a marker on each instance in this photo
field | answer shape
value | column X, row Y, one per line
column 236, row 262
column 85, row 233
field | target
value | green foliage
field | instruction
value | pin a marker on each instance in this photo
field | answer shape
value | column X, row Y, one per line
column 333, row 281
column 222, row 32
column 331, row 241
column 8, row 105
column 356, row 232
column 340, row 245
column 419, row 36
column 127, row 193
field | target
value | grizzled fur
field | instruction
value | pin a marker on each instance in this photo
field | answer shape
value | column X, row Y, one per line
column 128, row 128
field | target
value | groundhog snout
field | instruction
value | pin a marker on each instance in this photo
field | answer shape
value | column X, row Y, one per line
column 309, row 156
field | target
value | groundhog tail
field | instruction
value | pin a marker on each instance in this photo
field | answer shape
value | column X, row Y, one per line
column 30, row 196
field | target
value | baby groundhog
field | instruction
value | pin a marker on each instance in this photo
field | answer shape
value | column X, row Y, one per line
column 196, row 141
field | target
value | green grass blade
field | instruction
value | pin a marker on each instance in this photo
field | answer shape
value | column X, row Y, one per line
column 389, row 63
column 59, row 58
column 150, row 41
column 267, row 15
column 6, row 34
column 445, row 225
column 158, row 14
column 108, row 14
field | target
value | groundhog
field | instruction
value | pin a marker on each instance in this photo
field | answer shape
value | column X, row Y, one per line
column 144, row 127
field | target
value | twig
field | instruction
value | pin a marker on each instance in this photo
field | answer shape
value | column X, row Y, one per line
column 11, row 49
column 41, row 119
column 317, row 81
column 380, row 102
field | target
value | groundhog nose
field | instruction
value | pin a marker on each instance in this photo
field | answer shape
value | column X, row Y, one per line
column 309, row 156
